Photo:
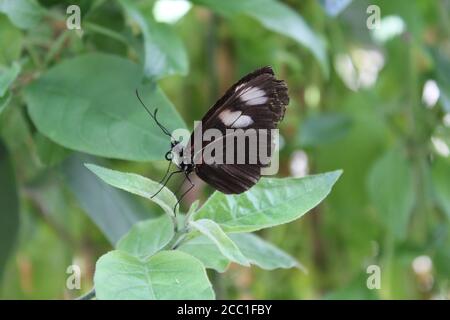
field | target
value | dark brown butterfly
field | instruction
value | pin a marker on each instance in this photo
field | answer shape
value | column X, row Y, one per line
column 255, row 103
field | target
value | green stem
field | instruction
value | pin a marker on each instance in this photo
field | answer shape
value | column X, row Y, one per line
column 56, row 47
column 88, row 295
column 89, row 26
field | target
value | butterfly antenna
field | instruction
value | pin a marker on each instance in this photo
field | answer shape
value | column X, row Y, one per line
column 153, row 115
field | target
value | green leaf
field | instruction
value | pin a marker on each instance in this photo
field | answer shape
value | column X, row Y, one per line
column 441, row 178
column 138, row 185
column 391, row 190
column 7, row 77
column 112, row 210
column 207, row 252
column 334, row 7
column 4, row 101
column 258, row 252
column 88, row 103
column 50, row 153
column 277, row 17
column 166, row 275
column 13, row 37
column 194, row 206
column 9, row 202
column 262, row 253
column 165, row 54
column 225, row 245
column 323, row 129
column 269, row 203
column 25, row 14
column 147, row 237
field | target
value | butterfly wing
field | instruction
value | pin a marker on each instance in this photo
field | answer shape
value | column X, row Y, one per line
column 257, row 101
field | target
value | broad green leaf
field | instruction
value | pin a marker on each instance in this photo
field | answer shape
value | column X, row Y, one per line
column 112, row 210
column 147, row 237
column 7, row 77
column 13, row 37
column 335, row 7
column 391, row 190
column 262, row 253
column 9, row 208
column 50, row 153
column 207, row 252
column 165, row 54
column 137, row 184
column 225, row 245
column 269, row 203
column 88, row 103
column 441, row 179
column 258, row 252
column 275, row 16
column 325, row 128
column 170, row 275
column 194, row 206
column 25, row 14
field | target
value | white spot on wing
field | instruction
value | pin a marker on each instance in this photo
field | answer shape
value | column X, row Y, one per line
column 228, row 117
column 253, row 96
column 242, row 122
column 239, row 87
column 259, row 100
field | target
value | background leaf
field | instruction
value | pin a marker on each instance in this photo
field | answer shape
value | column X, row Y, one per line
column 334, row 7
column 88, row 104
column 226, row 246
column 25, row 14
column 441, row 177
column 9, row 208
column 391, row 189
column 13, row 37
column 112, row 210
column 166, row 275
column 147, row 237
column 138, row 185
column 269, row 203
column 323, row 129
column 277, row 17
column 4, row 101
column 7, row 77
column 164, row 53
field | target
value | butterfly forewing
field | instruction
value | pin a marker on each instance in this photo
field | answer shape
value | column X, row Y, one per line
column 256, row 103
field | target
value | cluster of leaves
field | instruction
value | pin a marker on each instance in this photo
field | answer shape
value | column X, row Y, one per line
column 165, row 258
column 85, row 103
column 63, row 92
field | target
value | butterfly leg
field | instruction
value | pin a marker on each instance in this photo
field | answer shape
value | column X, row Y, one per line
column 167, row 180
column 186, row 192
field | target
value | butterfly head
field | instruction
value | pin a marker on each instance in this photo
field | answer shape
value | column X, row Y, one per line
column 175, row 154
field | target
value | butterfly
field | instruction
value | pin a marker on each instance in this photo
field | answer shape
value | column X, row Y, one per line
column 256, row 103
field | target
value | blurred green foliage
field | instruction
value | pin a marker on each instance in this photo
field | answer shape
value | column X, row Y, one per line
column 375, row 103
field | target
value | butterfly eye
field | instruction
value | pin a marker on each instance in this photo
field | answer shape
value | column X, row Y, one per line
column 169, row 156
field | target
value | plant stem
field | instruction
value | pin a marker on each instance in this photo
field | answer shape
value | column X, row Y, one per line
column 88, row 295
column 89, row 26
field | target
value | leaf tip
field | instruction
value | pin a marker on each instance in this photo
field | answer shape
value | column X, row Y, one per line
column 335, row 175
column 301, row 267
